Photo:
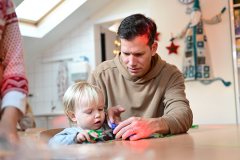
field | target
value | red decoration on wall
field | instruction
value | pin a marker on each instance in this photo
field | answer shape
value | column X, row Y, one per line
column 172, row 48
column 156, row 38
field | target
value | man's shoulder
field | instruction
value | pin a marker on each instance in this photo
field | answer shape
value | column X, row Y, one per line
column 106, row 66
column 171, row 68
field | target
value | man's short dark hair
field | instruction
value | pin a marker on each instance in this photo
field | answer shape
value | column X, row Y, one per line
column 137, row 25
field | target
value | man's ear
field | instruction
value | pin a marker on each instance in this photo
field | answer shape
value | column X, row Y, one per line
column 71, row 114
column 154, row 48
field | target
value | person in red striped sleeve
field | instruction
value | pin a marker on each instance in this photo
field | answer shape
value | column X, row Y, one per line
column 13, row 80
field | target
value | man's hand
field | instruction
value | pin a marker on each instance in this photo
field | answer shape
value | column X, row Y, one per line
column 142, row 128
column 82, row 136
column 114, row 114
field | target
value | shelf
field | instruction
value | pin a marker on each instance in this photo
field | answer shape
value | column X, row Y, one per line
column 57, row 60
column 236, row 5
column 232, row 8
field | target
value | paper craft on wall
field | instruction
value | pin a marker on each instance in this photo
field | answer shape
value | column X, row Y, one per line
column 172, row 48
column 62, row 80
column 197, row 63
column 187, row 2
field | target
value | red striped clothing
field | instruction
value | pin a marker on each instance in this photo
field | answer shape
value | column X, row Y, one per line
column 14, row 74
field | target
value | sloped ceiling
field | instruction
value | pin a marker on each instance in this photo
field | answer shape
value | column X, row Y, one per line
column 17, row 2
column 35, row 46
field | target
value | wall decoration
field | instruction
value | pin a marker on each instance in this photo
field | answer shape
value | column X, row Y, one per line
column 117, row 46
column 197, row 63
column 172, row 48
column 187, row 2
column 62, row 80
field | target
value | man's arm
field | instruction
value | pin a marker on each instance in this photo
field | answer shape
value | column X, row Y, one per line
column 177, row 116
column 177, row 112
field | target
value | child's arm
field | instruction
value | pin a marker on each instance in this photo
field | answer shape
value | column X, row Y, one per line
column 65, row 137
column 82, row 136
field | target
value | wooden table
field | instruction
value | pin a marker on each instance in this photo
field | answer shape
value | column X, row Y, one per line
column 207, row 142
column 30, row 133
column 213, row 142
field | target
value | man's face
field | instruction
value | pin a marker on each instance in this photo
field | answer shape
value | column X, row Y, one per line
column 137, row 55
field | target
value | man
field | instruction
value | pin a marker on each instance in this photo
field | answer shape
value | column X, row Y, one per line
column 139, row 85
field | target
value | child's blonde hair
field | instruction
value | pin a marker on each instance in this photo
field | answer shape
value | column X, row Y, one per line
column 73, row 96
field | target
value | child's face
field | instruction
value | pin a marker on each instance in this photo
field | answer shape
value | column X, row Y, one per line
column 91, row 117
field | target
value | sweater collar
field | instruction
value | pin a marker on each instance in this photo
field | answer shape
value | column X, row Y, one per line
column 157, row 65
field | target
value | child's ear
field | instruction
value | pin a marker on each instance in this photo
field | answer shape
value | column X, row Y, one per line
column 71, row 114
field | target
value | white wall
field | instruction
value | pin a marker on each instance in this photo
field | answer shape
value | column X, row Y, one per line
column 214, row 103
column 43, row 76
column 114, row 11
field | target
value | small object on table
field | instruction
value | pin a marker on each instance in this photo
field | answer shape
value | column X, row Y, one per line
column 100, row 133
column 159, row 136
column 91, row 137
column 194, row 126
column 113, row 125
column 104, row 132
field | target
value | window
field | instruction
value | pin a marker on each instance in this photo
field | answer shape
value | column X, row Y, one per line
column 33, row 11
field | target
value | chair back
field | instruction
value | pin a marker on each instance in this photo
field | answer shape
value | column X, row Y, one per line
column 46, row 135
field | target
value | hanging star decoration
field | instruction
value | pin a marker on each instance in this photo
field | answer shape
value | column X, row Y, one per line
column 156, row 38
column 172, row 48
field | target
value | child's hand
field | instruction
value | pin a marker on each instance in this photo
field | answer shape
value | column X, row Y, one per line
column 82, row 136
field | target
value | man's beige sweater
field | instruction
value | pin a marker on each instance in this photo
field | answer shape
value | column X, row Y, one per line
column 160, row 93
